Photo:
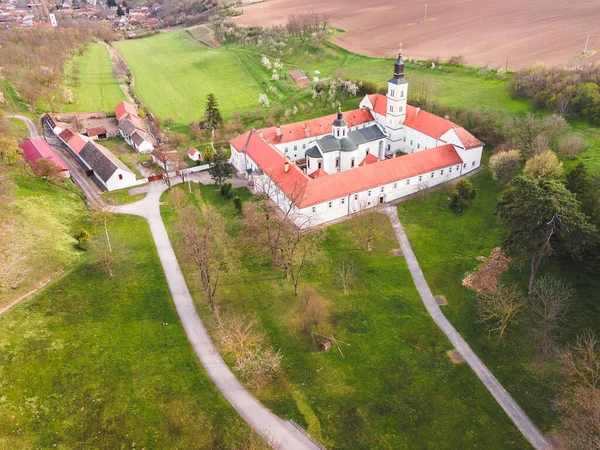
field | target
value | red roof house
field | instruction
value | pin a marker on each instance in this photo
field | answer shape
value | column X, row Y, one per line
column 124, row 108
column 36, row 149
column 99, row 132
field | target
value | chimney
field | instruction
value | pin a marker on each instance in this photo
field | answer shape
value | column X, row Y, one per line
column 286, row 167
column 278, row 131
column 417, row 110
column 447, row 117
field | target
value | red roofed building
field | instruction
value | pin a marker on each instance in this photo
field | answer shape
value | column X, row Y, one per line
column 124, row 108
column 36, row 149
column 97, row 132
column 334, row 166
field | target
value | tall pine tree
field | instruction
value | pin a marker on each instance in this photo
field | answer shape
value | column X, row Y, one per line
column 212, row 115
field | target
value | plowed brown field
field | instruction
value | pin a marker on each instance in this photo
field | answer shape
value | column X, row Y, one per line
column 485, row 32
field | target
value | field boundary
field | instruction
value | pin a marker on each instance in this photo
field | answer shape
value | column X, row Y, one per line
column 42, row 284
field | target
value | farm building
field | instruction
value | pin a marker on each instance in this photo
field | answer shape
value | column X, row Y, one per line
column 169, row 161
column 194, row 154
column 132, row 128
column 108, row 170
column 331, row 167
column 125, row 108
column 36, row 149
column 97, row 133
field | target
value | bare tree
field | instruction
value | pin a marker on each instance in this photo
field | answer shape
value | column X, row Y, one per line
column 345, row 274
column 298, row 249
column 548, row 308
column 108, row 256
column 316, row 312
column 205, row 245
column 501, row 308
column 101, row 216
column 177, row 198
column 370, row 226
column 581, row 361
column 580, row 424
column 164, row 154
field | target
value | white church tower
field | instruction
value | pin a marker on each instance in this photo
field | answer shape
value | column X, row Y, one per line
column 396, row 106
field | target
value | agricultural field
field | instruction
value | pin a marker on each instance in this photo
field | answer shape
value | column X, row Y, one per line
column 99, row 362
column 91, row 79
column 37, row 234
column 394, row 385
column 174, row 73
column 485, row 32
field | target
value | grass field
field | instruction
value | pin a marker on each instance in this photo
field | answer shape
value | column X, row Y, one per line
column 394, row 387
column 90, row 77
column 174, row 73
column 37, row 234
column 99, row 362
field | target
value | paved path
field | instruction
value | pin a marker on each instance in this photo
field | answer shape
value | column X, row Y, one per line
column 33, row 131
column 529, row 430
column 275, row 430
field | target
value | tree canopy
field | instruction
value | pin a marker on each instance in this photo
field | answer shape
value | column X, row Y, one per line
column 220, row 169
column 212, row 114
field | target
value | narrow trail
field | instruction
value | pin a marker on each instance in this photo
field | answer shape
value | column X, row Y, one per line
column 508, row 404
column 31, row 127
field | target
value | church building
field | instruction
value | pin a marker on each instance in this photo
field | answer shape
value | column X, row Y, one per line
column 324, row 169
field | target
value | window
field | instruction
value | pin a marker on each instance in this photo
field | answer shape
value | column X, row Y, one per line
column 391, row 108
column 337, row 162
column 295, row 148
column 330, row 205
column 368, row 150
column 420, row 177
column 431, row 174
column 369, row 193
column 473, row 163
column 408, row 182
column 401, row 93
column 449, row 169
column 392, row 92
column 400, row 108
column 458, row 167
column 308, row 163
column 303, row 146
column 286, row 149
column 343, row 200
column 465, row 165
column 404, row 138
column 395, row 185
column 338, row 133
column 352, row 162
column 389, row 147
column 120, row 176
column 295, row 156
column 382, row 188
column 320, row 164
column 355, row 196
column 411, row 142
column 314, row 209
column 418, row 146
column 442, row 172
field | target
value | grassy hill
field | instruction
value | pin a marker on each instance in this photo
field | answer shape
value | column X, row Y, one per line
column 90, row 77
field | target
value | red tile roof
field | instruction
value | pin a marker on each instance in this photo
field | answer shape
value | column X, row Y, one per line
column 318, row 173
column 77, row 143
column 314, row 127
column 125, row 108
column 369, row 159
column 34, row 149
column 135, row 120
column 66, row 135
column 426, row 122
column 305, row 191
column 96, row 131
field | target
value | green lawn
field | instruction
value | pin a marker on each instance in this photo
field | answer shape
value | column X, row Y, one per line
column 394, row 387
column 95, row 87
column 37, row 234
column 99, row 362
column 174, row 73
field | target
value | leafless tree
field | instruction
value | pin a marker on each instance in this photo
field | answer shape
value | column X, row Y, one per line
column 298, row 248
column 316, row 312
column 579, row 428
column 369, row 226
column 236, row 333
column 345, row 274
column 101, row 216
column 108, row 256
column 177, row 198
column 548, row 308
column 205, row 245
column 164, row 154
column 581, row 361
column 500, row 309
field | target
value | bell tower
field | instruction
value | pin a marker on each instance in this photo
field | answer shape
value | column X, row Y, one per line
column 396, row 104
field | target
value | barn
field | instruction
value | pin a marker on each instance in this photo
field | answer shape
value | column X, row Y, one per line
column 36, row 149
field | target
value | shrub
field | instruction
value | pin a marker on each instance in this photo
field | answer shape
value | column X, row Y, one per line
column 544, row 165
column 457, row 60
column 237, row 202
column 232, row 192
column 225, row 188
column 505, row 165
column 463, row 195
column 571, row 145
column 83, row 241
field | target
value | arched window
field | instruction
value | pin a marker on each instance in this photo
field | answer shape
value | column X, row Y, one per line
column 338, row 133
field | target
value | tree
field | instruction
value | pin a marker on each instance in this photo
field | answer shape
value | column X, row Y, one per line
column 108, row 256
column 542, row 216
column 571, row 145
column 164, row 154
column 529, row 133
column 83, row 240
column 120, row 11
column 205, row 244
column 345, row 274
column 220, row 169
column 544, row 165
column 102, row 216
column 501, row 308
column 212, row 115
column 463, row 194
column 46, row 170
column 8, row 148
column 581, row 361
column 177, row 198
column 578, row 181
column 111, row 3
column 548, row 308
column 369, row 226
column 297, row 249
column 505, row 165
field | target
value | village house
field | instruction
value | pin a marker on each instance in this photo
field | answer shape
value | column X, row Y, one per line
column 194, row 154
column 168, row 161
column 132, row 128
column 36, row 149
column 331, row 167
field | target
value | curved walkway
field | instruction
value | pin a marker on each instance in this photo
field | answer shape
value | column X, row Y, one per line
column 529, row 430
column 33, row 131
column 279, row 433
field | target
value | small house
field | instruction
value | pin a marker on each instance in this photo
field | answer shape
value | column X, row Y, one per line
column 194, row 154
column 97, row 133
column 172, row 163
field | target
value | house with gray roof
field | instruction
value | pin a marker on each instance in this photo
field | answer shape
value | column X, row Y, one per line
column 108, row 170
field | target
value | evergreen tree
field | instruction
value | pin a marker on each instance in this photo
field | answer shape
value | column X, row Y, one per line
column 111, row 3
column 212, row 115
column 578, row 181
column 83, row 241
column 120, row 11
column 543, row 217
column 463, row 194
column 220, row 169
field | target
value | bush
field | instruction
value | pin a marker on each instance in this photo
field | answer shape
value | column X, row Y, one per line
column 457, row 60
column 225, row 188
column 505, row 165
column 237, row 202
column 571, row 145
column 83, row 241
column 463, row 195
column 232, row 192
column 545, row 165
